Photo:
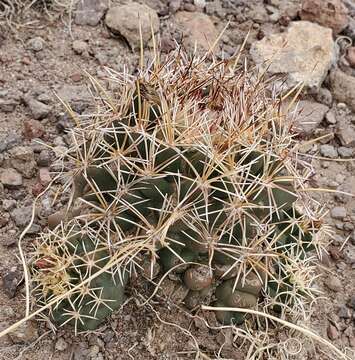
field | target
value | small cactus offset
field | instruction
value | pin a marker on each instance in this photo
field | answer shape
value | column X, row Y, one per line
column 74, row 260
column 192, row 165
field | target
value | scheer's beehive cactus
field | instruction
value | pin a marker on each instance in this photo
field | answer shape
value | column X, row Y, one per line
column 192, row 164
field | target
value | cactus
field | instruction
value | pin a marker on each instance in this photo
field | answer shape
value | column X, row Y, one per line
column 71, row 257
column 194, row 167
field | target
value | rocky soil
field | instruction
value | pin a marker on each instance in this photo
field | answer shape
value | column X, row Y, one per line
column 45, row 54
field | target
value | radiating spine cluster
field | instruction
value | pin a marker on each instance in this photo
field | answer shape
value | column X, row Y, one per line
column 192, row 164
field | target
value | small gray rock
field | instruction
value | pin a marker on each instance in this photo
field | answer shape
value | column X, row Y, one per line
column 45, row 97
column 310, row 116
column 34, row 229
column 342, row 198
column 341, row 265
column 340, row 178
column 80, row 46
column 11, row 179
column 4, row 93
column 328, row 151
column 348, row 226
column 346, row 132
column 174, row 5
column 339, row 225
column 58, row 141
column 36, row 147
column 4, row 220
column 77, row 96
column 8, row 106
column 345, row 152
column 61, row 344
column 94, row 351
column 349, row 254
column 44, row 158
column 274, row 13
column 324, row 96
column 8, row 141
column 330, row 117
column 10, row 282
column 344, row 312
column 333, row 283
column 343, row 86
column 258, row 13
column 22, row 159
column 338, row 212
column 108, row 336
column 36, row 44
column 8, row 204
column 90, row 12
column 24, row 153
column 22, row 216
column 38, row 109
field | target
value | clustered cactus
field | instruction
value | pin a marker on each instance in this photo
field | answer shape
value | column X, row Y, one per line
column 189, row 167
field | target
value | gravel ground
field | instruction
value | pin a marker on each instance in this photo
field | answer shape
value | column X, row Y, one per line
column 47, row 53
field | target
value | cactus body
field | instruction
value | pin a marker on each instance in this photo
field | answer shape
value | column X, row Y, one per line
column 194, row 166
